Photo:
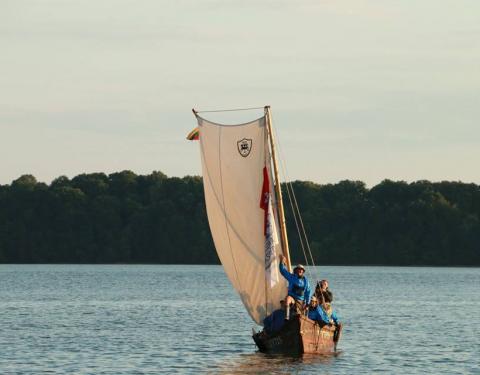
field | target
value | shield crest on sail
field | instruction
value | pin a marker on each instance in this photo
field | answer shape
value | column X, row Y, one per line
column 244, row 147
column 233, row 185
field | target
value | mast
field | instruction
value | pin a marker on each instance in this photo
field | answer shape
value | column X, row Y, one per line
column 278, row 191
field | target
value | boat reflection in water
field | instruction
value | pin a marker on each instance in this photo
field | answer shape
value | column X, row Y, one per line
column 260, row 363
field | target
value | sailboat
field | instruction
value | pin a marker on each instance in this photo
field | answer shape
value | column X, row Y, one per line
column 247, row 221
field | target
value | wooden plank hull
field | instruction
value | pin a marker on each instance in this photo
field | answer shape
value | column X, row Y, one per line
column 299, row 335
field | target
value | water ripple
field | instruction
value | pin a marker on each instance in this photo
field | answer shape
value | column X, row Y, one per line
column 83, row 319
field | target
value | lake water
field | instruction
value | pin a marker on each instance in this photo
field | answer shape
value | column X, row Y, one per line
column 149, row 319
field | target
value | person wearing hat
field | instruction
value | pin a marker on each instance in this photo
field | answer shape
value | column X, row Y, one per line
column 299, row 291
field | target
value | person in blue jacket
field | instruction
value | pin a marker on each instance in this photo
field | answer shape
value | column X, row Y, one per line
column 322, row 315
column 299, row 291
column 274, row 322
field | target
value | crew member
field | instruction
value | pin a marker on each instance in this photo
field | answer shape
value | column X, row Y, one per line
column 274, row 322
column 322, row 288
column 299, row 292
column 322, row 315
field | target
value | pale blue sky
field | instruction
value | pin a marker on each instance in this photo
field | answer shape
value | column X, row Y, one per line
column 364, row 89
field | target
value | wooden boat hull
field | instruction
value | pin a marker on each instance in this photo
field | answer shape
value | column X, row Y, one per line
column 299, row 335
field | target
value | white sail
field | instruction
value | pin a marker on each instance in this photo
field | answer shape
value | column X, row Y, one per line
column 233, row 158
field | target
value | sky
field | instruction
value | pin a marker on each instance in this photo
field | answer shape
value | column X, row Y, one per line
column 360, row 89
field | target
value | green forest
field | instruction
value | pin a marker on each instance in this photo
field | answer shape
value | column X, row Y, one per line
column 127, row 218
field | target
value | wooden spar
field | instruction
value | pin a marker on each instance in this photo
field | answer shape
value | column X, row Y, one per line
column 278, row 191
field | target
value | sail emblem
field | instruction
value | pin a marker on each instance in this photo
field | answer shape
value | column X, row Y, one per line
column 244, row 147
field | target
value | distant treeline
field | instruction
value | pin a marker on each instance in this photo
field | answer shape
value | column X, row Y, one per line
column 127, row 218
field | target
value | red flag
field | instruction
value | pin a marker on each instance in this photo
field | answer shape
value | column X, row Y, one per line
column 271, row 239
column 265, row 198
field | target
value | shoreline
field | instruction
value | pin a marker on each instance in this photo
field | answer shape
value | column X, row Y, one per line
column 217, row 264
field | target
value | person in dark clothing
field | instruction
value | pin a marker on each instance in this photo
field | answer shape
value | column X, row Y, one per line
column 322, row 289
column 274, row 322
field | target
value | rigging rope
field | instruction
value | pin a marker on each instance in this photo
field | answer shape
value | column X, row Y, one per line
column 295, row 208
column 301, row 223
column 298, row 229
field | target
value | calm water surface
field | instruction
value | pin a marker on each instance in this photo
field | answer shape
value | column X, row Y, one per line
column 139, row 319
